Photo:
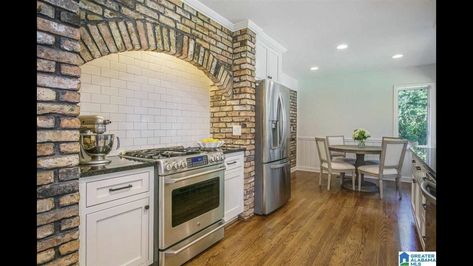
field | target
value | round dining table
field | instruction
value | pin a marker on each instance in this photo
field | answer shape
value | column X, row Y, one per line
column 360, row 160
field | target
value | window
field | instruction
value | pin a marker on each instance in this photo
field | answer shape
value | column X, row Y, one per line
column 413, row 113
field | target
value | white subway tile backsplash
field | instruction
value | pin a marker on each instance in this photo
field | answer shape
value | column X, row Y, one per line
column 110, row 108
column 99, row 98
column 152, row 99
column 117, row 100
column 99, row 80
column 117, row 83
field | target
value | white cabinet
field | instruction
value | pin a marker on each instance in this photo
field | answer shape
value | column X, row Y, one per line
column 117, row 230
column 267, row 62
column 234, row 176
column 273, row 65
column 418, row 202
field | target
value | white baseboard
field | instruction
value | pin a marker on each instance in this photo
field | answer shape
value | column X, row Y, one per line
column 404, row 179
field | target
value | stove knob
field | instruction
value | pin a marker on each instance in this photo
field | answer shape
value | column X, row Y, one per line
column 174, row 165
column 211, row 158
column 183, row 164
column 168, row 167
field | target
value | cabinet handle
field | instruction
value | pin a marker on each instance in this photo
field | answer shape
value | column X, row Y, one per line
column 147, row 207
column 120, row 188
column 234, row 162
column 270, row 77
column 418, row 168
column 424, row 206
column 413, row 161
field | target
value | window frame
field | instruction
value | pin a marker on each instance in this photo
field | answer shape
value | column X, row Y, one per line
column 430, row 109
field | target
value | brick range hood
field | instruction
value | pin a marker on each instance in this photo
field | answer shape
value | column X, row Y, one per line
column 71, row 33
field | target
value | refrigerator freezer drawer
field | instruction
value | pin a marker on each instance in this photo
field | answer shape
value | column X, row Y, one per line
column 272, row 186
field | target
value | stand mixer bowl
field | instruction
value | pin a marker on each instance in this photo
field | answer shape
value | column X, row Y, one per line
column 97, row 146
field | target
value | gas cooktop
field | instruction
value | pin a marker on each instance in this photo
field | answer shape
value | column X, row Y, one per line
column 177, row 158
column 162, row 153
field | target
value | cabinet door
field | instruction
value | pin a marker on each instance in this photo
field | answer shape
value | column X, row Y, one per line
column 273, row 65
column 119, row 235
column 233, row 193
column 261, row 60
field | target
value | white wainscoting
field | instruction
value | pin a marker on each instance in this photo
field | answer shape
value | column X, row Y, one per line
column 308, row 159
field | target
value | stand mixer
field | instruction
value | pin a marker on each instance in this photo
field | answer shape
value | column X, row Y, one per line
column 94, row 143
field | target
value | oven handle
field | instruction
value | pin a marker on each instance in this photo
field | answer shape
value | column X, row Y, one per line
column 175, row 252
column 168, row 180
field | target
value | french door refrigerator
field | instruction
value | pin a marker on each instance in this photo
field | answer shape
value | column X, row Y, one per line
column 272, row 165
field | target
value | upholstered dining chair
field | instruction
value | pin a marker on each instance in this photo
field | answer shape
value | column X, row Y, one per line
column 336, row 155
column 391, row 160
column 376, row 161
column 331, row 166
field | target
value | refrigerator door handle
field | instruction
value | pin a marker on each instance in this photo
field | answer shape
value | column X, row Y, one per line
column 279, row 165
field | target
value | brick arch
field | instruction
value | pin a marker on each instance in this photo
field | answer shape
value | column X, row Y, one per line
column 114, row 36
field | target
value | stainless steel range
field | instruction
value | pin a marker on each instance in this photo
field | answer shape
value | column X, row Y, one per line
column 189, row 211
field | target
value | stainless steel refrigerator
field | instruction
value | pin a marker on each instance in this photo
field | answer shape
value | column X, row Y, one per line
column 272, row 168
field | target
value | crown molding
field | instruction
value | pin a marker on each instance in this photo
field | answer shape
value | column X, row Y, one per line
column 197, row 5
column 247, row 23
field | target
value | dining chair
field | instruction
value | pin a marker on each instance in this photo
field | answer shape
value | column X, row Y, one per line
column 336, row 155
column 376, row 161
column 392, row 157
column 332, row 167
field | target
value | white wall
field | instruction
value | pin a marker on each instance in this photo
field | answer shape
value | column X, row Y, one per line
column 334, row 105
column 152, row 99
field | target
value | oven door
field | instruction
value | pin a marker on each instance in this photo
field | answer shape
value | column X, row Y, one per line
column 189, row 202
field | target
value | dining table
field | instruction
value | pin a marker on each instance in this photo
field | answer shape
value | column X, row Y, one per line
column 360, row 152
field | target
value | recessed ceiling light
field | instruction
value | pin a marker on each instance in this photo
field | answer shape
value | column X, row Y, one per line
column 342, row 46
column 314, row 68
column 397, row 56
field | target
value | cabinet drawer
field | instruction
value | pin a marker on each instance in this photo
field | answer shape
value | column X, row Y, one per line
column 233, row 162
column 117, row 187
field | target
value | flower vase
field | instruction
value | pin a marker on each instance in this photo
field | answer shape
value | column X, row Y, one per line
column 361, row 143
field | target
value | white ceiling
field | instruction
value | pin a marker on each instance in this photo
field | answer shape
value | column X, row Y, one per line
column 310, row 30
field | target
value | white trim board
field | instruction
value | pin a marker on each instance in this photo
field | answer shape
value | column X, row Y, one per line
column 247, row 23
column 404, row 179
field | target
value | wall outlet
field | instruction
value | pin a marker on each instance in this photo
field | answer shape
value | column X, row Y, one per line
column 236, row 130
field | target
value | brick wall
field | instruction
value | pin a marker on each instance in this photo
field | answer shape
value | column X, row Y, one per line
column 293, row 121
column 239, row 109
column 71, row 33
column 153, row 99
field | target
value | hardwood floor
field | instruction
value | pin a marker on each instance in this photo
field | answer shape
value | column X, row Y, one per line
column 320, row 227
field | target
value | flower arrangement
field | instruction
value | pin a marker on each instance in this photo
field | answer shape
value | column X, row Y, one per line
column 361, row 135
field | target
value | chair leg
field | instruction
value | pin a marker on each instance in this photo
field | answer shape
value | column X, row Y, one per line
column 353, row 175
column 380, row 188
column 359, row 182
column 320, row 177
column 329, row 177
column 398, row 189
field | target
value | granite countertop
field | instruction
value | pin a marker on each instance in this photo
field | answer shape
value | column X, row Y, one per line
column 117, row 164
column 232, row 149
column 427, row 156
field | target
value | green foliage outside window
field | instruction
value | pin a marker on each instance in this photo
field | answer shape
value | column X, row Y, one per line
column 413, row 115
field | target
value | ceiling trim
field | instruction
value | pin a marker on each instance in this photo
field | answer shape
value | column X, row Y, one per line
column 247, row 23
